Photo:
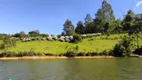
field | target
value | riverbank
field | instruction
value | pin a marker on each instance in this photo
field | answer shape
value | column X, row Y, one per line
column 52, row 57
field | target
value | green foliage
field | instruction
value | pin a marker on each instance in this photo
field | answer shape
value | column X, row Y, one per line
column 105, row 14
column 81, row 54
column 68, row 27
column 117, row 27
column 123, row 48
column 34, row 33
column 80, row 29
column 76, row 38
column 71, row 51
column 7, row 54
column 3, row 36
column 138, row 51
column 20, row 35
column 92, row 54
column 128, row 20
column 88, row 19
column 90, row 27
column 44, row 35
column 7, row 43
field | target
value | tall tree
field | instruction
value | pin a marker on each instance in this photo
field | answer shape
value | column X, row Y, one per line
column 22, row 34
column 104, row 16
column 128, row 20
column 68, row 27
column 107, row 12
column 80, row 28
column 88, row 19
column 90, row 28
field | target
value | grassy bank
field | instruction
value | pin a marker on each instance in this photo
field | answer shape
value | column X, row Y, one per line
column 88, row 45
column 56, row 47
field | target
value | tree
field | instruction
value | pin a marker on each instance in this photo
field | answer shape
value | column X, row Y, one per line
column 80, row 29
column 107, row 12
column 88, row 19
column 44, row 35
column 22, row 34
column 128, row 20
column 68, row 27
column 3, row 36
column 104, row 16
column 117, row 26
column 34, row 33
column 76, row 38
column 136, row 29
column 90, row 28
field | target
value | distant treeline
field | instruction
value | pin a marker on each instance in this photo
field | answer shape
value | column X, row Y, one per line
column 105, row 22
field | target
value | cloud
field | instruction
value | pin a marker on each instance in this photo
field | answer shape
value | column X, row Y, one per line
column 139, row 3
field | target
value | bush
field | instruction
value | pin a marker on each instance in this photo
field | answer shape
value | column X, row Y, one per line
column 7, row 43
column 138, row 51
column 76, row 38
column 92, row 54
column 70, row 54
column 81, row 54
column 7, row 54
column 71, row 51
column 123, row 48
column 105, row 52
column 48, row 54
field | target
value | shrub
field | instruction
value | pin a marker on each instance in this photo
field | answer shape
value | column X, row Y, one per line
column 138, row 51
column 123, row 48
column 7, row 43
column 71, row 51
column 48, row 54
column 77, row 47
column 76, row 38
column 92, row 54
column 81, row 54
column 70, row 54
column 88, row 54
column 7, row 54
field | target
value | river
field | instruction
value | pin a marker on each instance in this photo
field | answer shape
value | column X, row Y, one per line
column 72, row 69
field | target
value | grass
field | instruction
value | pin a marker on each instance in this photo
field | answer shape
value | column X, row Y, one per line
column 94, row 44
column 56, row 47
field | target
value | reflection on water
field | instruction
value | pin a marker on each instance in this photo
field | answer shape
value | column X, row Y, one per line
column 72, row 69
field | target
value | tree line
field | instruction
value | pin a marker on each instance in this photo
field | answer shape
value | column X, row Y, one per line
column 105, row 22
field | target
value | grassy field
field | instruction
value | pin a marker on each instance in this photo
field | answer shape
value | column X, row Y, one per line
column 94, row 44
column 57, row 47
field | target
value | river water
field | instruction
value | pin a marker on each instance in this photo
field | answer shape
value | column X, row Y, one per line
column 72, row 69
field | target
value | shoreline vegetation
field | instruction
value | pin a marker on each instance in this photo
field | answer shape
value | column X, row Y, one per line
column 53, row 57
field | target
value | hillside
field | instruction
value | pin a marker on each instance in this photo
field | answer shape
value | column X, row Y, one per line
column 94, row 44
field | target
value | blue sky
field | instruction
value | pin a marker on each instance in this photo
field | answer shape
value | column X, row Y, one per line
column 48, row 16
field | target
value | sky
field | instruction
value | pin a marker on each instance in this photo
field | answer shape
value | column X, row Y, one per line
column 48, row 16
